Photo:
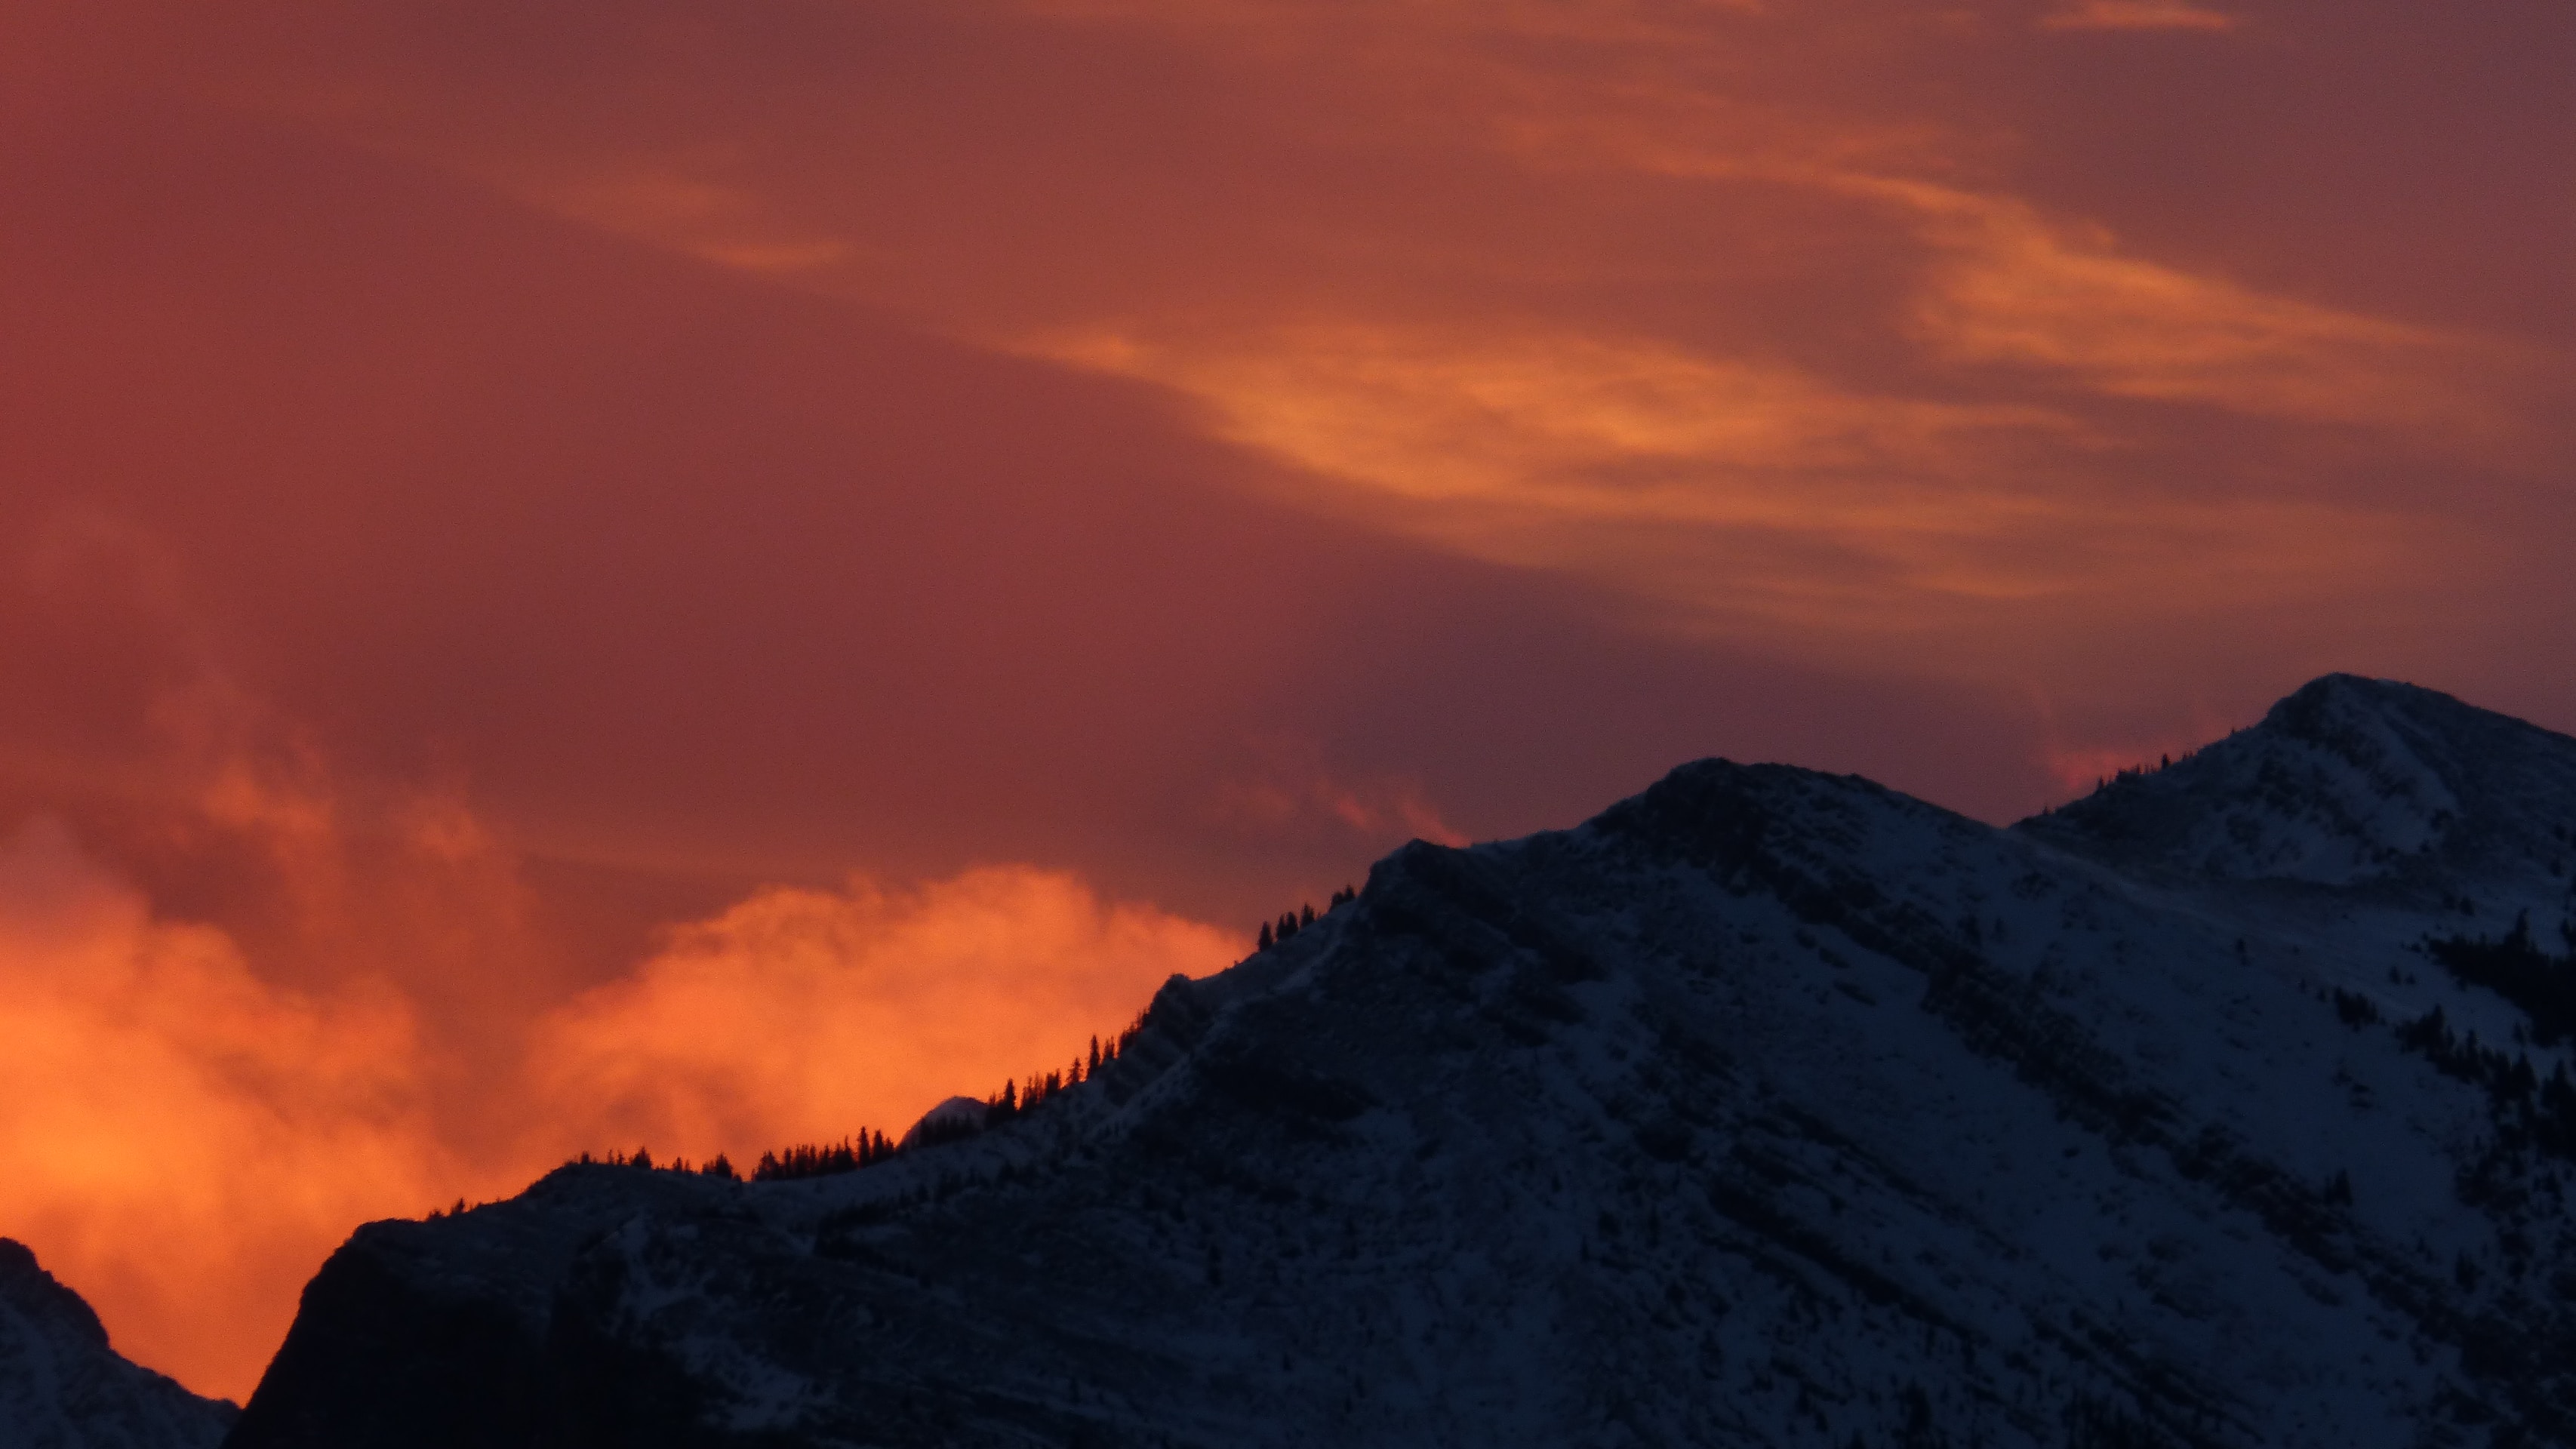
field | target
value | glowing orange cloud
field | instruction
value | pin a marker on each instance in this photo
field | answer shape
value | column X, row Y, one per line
column 194, row 1114
column 185, row 1141
column 804, row 1015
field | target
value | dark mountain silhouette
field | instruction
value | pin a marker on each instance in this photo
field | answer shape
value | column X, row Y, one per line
column 1766, row 1108
column 63, row 1387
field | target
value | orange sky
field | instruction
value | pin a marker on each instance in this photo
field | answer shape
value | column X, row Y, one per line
column 691, row 574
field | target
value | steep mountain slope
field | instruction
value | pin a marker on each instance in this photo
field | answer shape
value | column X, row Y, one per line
column 1766, row 1108
column 62, row 1387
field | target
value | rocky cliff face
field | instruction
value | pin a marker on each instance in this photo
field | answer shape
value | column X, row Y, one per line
column 1767, row 1108
column 63, row 1387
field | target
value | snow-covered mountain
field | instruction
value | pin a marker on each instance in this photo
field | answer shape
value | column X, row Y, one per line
column 62, row 1387
column 2227, row 1107
column 2407, row 794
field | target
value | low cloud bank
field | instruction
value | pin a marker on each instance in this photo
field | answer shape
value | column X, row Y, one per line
column 188, row 1139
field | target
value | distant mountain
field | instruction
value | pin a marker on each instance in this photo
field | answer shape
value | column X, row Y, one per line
column 2228, row 1107
column 62, row 1387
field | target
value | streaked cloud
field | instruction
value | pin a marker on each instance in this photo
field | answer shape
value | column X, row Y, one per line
column 2139, row 15
column 1736, row 496
column 1965, row 446
column 2013, row 287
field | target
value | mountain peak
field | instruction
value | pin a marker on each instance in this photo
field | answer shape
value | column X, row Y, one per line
column 2331, row 704
column 37, row 1297
column 2348, row 781
column 60, row 1382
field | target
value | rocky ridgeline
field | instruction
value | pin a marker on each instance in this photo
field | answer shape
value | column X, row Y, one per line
column 63, row 1387
column 1767, row 1108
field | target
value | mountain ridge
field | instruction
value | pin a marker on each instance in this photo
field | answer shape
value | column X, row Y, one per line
column 62, row 1386
column 1766, row 1107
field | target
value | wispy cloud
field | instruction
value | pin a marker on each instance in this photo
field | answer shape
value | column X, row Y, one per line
column 2012, row 285
column 1953, row 429
column 1287, row 787
column 1735, row 495
column 2139, row 15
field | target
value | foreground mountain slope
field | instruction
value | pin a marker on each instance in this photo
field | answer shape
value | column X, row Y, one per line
column 63, row 1387
column 1766, row 1108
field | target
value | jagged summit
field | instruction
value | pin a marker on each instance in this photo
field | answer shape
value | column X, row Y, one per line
column 38, row 1297
column 2349, row 782
column 1766, row 1108
column 63, row 1387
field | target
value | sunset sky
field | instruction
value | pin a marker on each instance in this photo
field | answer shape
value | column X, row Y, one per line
column 577, row 576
